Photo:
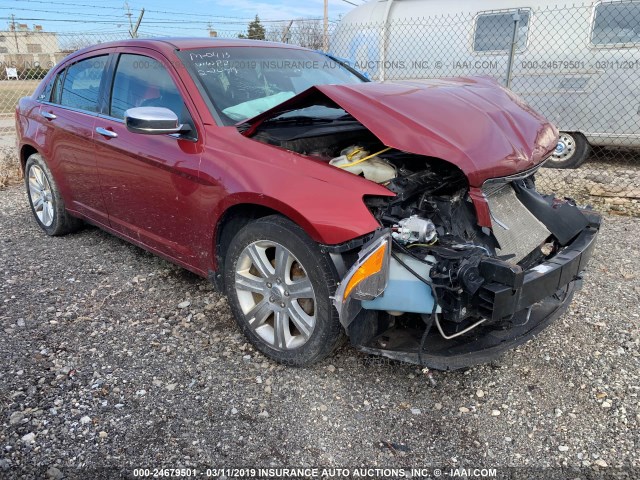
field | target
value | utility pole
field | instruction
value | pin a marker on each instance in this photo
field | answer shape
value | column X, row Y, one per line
column 15, row 33
column 134, row 32
column 285, row 33
column 128, row 14
column 325, row 38
column 514, row 47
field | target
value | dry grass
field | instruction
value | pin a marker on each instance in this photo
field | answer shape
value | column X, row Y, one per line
column 10, row 173
column 12, row 90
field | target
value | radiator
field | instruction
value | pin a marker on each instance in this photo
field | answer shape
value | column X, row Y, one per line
column 517, row 230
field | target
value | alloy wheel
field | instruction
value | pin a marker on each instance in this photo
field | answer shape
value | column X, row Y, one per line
column 275, row 294
column 41, row 195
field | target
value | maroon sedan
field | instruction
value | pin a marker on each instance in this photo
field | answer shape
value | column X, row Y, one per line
column 402, row 215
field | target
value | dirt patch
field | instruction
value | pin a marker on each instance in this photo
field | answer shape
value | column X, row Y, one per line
column 10, row 173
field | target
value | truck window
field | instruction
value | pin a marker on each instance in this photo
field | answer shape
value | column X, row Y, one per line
column 494, row 31
column 616, row 23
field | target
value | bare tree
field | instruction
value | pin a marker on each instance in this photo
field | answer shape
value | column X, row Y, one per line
column 279, row 32
column 306, row 33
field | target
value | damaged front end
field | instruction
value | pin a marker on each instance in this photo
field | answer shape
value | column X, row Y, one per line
column 470, row 260
column 464, row 294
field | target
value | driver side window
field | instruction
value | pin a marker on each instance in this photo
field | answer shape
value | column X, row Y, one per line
column 144, row 82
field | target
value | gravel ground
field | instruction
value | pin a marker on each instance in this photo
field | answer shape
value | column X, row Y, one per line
column 609, row 182
column 113, row 358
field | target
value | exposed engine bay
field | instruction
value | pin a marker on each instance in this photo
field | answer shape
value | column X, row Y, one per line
column 446, row 291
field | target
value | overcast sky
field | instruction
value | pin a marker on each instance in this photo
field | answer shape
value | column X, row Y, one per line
column 162, row 17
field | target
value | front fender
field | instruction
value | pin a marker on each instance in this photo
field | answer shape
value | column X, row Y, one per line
column 325, row 201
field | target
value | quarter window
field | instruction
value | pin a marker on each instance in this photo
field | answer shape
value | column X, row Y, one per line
column 494, row 31
column 82, row 84
column 47, row 95
column 144, row 82
column 616, row 23
column 56, row 88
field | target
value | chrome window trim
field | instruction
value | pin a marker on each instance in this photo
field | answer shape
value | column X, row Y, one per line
column 177, row 136
column 71, row 109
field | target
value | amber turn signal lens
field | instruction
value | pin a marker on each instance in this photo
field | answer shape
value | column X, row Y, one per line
column 371, row 266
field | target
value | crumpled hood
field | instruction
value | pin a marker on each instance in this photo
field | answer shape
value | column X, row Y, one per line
column 473, row 123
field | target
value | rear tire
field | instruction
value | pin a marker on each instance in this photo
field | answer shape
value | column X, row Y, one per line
column 45, row 200
column 279, row 285
column 572, row 151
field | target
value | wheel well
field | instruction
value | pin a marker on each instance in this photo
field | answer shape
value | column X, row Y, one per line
column 232, row 221
column 25, row 153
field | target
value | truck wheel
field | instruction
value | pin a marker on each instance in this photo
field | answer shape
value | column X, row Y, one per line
column 572, row 151
column 279, row 285
column 45, row 199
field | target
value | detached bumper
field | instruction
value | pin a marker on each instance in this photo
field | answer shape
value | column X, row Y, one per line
column 512, row 290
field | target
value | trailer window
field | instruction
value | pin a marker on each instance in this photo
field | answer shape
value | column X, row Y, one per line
column 616, row 23
column 494, row 31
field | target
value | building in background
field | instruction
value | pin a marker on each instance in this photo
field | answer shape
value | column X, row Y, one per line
column 28, row 50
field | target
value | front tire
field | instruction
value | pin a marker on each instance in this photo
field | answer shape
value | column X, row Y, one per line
column 45, row 200
column 279, row 283
column 572, row 151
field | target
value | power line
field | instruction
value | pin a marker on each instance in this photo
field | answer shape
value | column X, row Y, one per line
column 158, row 22
column 57, row 4
column 102, row 15
column 64, row 20
column 148, row 19
column 168, row 12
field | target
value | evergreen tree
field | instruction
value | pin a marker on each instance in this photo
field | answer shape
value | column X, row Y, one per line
column 256, row 30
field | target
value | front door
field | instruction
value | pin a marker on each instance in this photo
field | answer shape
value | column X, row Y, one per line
column 150, row 182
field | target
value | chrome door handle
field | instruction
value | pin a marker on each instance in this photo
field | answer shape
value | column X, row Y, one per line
column 48, row 115
column 106, row 133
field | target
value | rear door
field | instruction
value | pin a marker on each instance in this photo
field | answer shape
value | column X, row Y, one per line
column 150, row 182
column 69, row 111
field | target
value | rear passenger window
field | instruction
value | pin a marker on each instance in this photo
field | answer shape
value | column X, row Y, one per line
column 616, row 23
column 494, row 31
column 82, row 84
column 144, row 82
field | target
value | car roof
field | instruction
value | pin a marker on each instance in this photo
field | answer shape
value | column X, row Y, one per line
column 165, row 44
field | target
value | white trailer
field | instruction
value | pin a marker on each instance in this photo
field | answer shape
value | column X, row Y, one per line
column 579, row 65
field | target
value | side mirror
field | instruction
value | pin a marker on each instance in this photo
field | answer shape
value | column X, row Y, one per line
column 152, row 121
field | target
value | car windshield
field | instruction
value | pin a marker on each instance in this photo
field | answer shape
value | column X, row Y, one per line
column 242, row 82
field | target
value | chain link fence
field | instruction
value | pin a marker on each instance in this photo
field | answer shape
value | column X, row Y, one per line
column 25, row 58
column 579, row 65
